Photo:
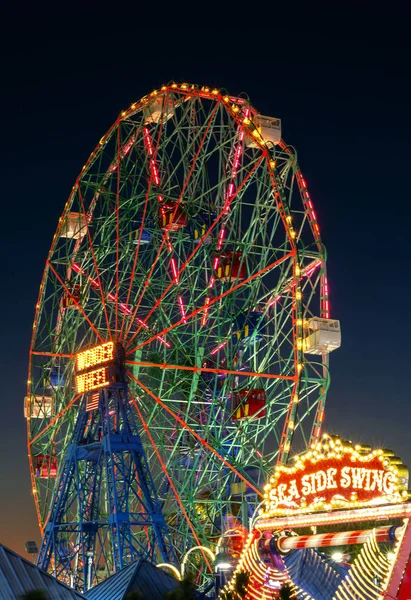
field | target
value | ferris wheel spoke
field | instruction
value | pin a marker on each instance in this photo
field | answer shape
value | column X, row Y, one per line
column 136, row 254
column 98, row 281
column 210, row 370
column 169, row 479
column 176, row 273
column 194, row 433
column 52, row 354
column 76, row 302
column 207, row 305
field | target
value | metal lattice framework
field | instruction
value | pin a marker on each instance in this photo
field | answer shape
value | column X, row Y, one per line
column 194, row 243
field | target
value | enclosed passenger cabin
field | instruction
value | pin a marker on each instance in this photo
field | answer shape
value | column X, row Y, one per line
column 230, row 266
column 38, row 407
column 248, row 404
column 72, row 299
column 74, row 226
column 145, row 237
column 199, row 226
column 172, row 216
column 54, row 378
column 321, row 336
column 247, row 325
column 160, row 109
column 267, row 129
column 45, row 466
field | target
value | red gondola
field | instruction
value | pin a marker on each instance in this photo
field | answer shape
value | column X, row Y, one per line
column 73, row 299
column 249, row 404
column 45, row 466
column 172, row 216
column 230, row 266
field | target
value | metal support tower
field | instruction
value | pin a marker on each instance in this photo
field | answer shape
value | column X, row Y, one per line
column 105, row 509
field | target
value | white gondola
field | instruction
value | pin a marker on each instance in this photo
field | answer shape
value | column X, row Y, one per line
column 267, row 129
column 321, row 336
column 38, row 407
column 156, row 111
column 74, row 226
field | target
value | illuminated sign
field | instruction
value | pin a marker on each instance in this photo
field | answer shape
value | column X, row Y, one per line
column 94, row 356
column 335, row 474
column 91, row 370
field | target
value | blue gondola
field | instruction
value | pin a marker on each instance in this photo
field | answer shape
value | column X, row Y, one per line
column 247, row 325
column 56, row 378
column 145, row 237
column 200, row 224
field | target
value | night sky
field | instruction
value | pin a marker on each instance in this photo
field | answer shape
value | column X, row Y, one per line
column 343, row 95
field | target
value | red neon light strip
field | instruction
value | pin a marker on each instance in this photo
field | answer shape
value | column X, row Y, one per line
column 182, row 309
column 196, row 435
column 205, row 315
column 218, row 347
column 174, row 270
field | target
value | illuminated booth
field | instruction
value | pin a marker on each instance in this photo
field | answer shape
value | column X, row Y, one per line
column 334, row 495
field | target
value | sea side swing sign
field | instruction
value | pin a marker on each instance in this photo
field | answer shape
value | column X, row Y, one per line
column 334, row 474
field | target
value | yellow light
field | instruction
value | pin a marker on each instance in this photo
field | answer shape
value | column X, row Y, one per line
column 292, row 233
column 272, row 164
column 171, row 567
column 123, row 114
column 226, row 98
column 288, row 218
column 298, row 295
column 95, row 356
column 215, row 92
column 235, row 108
column 173, row 85
column 297, row 271
column 93, row 380
column 246, row 121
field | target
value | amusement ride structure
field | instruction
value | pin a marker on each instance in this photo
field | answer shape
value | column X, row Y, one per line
column 181, row 336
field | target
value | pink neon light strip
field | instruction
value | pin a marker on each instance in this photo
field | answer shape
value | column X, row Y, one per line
column 218, row 347
column 182, row 309
column 174, row 270
column 205, row 313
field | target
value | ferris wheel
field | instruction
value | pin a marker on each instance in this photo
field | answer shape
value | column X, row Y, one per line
column 189, row 239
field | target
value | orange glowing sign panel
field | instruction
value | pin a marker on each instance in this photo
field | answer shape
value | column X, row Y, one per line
column 94, row 356
column 335, row 474
column 91, row 372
